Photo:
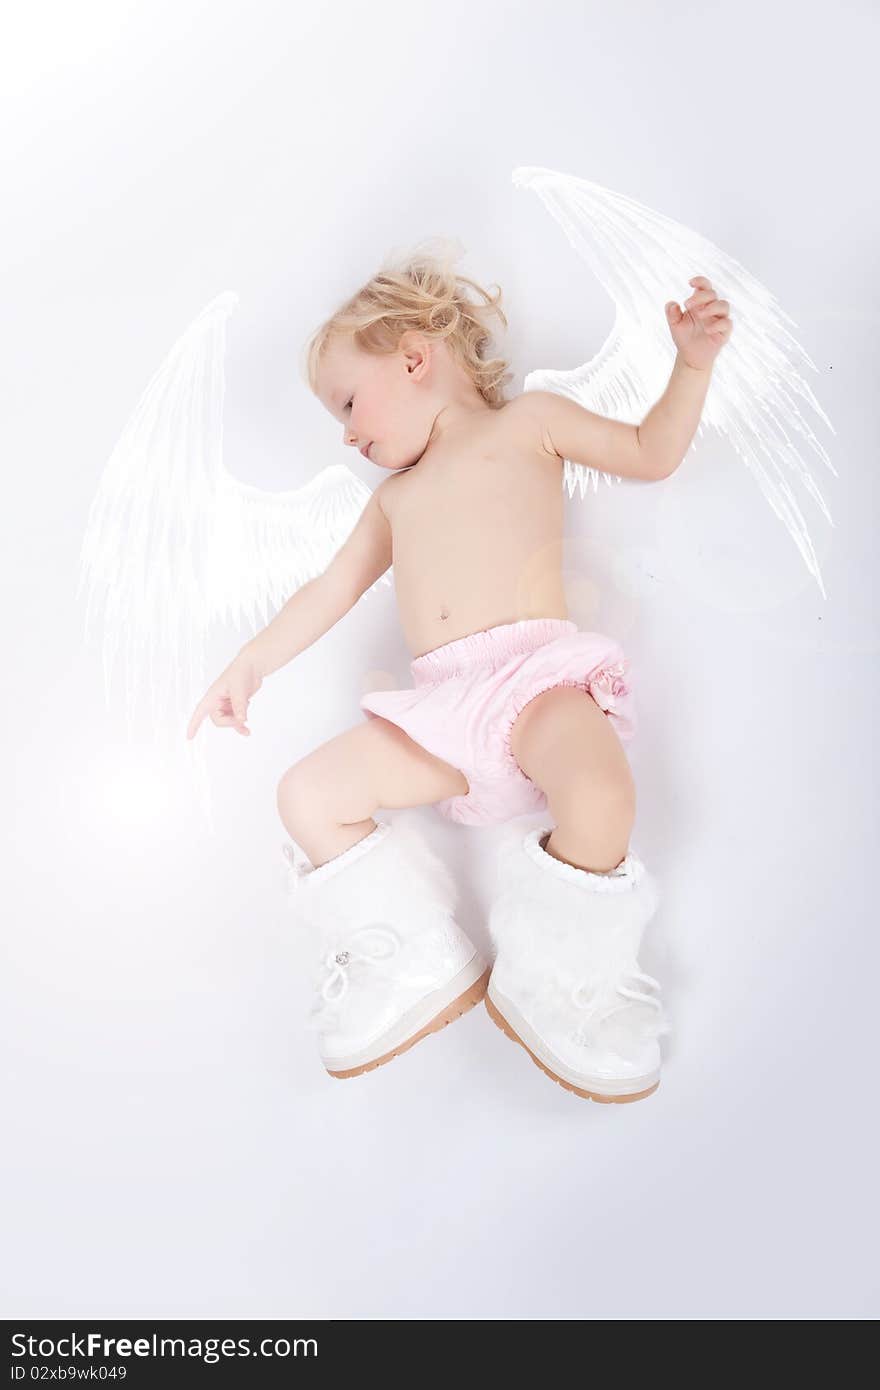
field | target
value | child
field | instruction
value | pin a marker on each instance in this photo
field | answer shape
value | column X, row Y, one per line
column 512, row 709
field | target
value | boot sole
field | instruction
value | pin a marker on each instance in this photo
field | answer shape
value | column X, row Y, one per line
column 459, row 1006
column 498, row 1018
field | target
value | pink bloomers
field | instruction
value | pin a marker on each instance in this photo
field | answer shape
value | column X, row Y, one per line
column 468, row 694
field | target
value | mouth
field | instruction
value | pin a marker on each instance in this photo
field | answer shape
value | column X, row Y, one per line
column 366, row 452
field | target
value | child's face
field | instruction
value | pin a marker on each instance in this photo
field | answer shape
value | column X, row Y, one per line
column 384, row 402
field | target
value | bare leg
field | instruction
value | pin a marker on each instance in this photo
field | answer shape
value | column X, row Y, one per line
column 327, row 800
column 567, row 745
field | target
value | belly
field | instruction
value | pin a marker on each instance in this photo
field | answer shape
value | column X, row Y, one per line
column 477, row 542
column 447, row 592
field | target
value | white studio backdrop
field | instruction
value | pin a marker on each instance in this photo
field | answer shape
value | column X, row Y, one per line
column 174, row 1147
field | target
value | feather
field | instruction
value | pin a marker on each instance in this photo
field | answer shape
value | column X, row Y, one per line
column 174, row 542
column 753, row 395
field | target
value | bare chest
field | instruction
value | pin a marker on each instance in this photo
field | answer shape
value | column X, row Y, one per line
column 477, row 536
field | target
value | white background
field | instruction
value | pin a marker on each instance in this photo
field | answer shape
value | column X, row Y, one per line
column 174, row 1147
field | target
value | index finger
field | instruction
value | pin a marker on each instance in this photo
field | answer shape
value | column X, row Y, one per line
column 198, row 716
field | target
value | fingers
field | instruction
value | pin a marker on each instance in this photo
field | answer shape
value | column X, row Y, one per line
column 227, row 699
column 194, row 723
column 715, row 308
column 234, row 720
column 220, row 715
column 703, row 296
column 699, row 298
column 238, row 703
column 711, row 312
column 224, row 721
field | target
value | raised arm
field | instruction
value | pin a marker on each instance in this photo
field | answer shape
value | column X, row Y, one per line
column 569, row 431
column 651, row 450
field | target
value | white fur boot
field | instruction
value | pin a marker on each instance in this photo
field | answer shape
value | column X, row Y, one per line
column 390, row 964
column 566, row 982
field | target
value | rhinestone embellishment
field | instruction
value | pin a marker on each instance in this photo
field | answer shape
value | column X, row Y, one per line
column 343, row 957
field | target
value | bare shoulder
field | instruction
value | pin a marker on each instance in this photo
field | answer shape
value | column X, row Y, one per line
column 517, row 429
column 526, row 414
column 383, row 495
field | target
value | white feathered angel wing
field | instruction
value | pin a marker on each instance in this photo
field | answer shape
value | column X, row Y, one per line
column 174, row 543
column 637, row 254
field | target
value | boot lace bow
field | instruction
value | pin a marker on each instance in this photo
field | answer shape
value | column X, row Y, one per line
column 601, row 1002
column 372, row 944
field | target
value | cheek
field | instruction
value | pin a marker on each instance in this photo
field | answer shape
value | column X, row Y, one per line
column 372, row 419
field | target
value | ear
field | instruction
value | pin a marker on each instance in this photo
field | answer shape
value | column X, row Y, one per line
column 417, row 353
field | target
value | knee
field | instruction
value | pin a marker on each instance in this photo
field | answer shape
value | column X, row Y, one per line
column 298, row 793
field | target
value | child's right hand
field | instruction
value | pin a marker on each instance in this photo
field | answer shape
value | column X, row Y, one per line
column 227, row 699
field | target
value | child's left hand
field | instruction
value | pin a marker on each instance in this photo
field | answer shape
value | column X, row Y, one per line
column 701, row 333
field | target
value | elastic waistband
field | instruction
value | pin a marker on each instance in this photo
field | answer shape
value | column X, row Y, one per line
column 490, row 648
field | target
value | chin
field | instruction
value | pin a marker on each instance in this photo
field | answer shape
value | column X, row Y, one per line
column 403, row 460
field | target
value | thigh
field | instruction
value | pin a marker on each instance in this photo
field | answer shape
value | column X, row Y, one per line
column 568, row 746
column 371, row 765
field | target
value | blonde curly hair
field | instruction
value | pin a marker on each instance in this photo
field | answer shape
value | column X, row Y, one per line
column 420, row 292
